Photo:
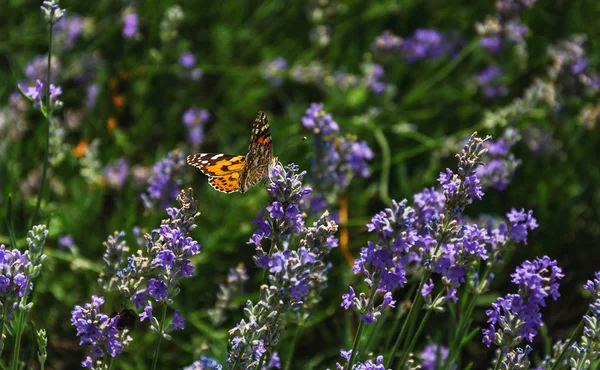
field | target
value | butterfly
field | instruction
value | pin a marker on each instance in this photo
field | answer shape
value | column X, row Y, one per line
column 230, row 173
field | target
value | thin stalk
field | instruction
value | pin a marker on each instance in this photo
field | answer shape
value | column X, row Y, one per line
column 569, row 343
column 400, row 314
column 290, row 355
column 411, row 312
column 361, row 327
column 20, row 327
column 2, row 320
column 406, row 353
column 48, row 115
column 236, row 363
column 160, row 335
column 262, row 360
column 500, row 358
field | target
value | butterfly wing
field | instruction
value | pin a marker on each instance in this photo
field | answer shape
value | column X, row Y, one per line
column 215, row 165
column 226, row 184
column 260, row 153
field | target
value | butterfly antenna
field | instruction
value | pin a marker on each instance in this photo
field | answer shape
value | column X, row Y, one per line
column 293, row 144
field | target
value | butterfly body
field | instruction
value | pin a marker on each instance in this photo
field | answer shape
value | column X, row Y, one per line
column 230, row 173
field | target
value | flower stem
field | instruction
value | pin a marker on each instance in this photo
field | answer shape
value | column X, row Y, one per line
column 361, row 326
column 500, row 358
column 569, row 343
column 2, row 320
column 160, row 335
column 48, row 115
column 20, row 326
column 290, row 355
column 409, row 317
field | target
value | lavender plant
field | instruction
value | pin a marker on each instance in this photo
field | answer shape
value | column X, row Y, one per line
column 150, row 278
column 293, row 277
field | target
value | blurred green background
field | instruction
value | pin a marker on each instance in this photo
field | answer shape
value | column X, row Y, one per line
column 412, row 127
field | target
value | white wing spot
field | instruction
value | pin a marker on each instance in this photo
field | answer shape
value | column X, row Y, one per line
column 216, row 156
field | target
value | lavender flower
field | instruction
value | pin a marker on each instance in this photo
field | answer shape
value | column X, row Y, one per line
column 13, row 278
column 374, row 74
column 164, row 183
column 505, row 25
column 130, row 25
column 205, row 363
column 518, row 315
column 283, row 217
column 486, row 79
column 427, row 44
column 97, row 330
column 337, row 159
column 66, row 241
column 116, row 174
column 187, row 60
column 67, row 31
column 51, row 11
column 501, row 164
column 462, row 188
column 295, row 276
column 274, row 70
column 227, row 292
column 37, row 68
column 91, row 95
column 433, row 356
column 195, row 119
column 367, row 365
column 387, row 43
column 569, row 69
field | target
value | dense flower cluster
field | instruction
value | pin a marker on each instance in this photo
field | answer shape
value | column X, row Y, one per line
column 374, row 78
column 517, row 316
column 195, row 119
column 336, row 160
column 153, row 273
column 165, row 181
column 294, row 276
column 13, row 277
column 97, row 330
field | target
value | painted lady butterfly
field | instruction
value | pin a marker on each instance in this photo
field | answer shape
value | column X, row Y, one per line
column 229, row 173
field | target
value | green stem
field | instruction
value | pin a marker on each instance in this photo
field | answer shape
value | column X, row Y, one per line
column 2, row 320
column 48, row 114
column 237, row 361
column 399, row 315
column 500, row 358
column 569, row 343
column 409, row 317
column 361, row 327
column 262, row 360
column 160, row 335
column 407, row 352
column 19, row 328
column 290, row 355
